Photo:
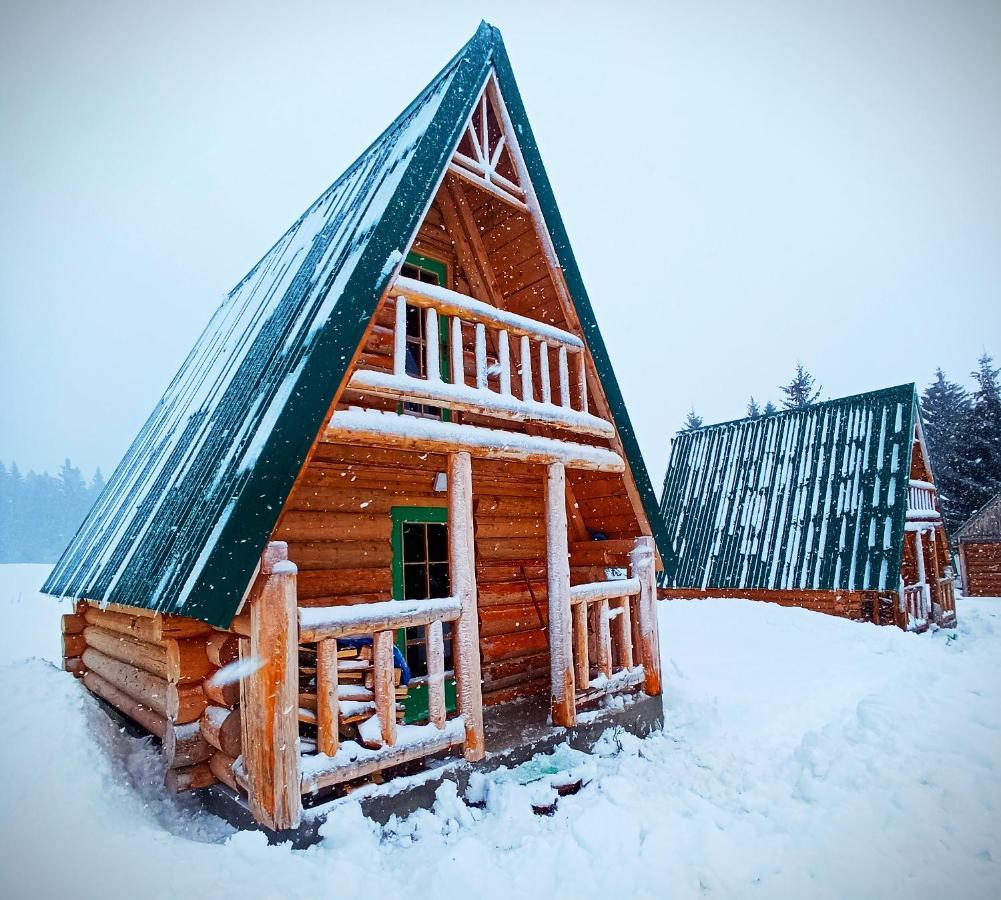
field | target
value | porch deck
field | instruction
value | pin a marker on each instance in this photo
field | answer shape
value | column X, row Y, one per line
column 514, row 732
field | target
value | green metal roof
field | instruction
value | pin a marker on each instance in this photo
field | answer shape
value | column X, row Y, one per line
column 183, row 519
column 811, row 499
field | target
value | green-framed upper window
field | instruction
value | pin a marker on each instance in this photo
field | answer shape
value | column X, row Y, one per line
column 430, row 271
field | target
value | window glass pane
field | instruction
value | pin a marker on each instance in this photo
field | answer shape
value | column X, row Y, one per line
column 414, row 545
column 437, row 543
column 438, row 578
column 408, row 271
column 447, row 632
column 417, row 651
column 415, row 586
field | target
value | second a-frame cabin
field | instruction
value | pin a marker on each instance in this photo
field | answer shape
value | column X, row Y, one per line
column 832, row 508
column 394, row 481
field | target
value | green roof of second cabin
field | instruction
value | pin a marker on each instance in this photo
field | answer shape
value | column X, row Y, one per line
column 811, row 499
column 182, row 521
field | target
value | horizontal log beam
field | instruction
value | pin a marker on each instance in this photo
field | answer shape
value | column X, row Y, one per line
column 366, row 427
column 152, row 721
column 479, row 181
column 482, row 402
column 320, row 771
column 452, row 303
column 604, row 590
column 323, row 623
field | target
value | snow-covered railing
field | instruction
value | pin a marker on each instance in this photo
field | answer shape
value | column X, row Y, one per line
column 323, row 623
column 915, row 604
column 603, row 615
column 384, row 743
column 921, row 499
column 946, row 595
column 503, row 388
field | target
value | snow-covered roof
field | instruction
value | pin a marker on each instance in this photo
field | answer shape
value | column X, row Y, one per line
column 984, row 525
column 811, row 499
column 183, row 519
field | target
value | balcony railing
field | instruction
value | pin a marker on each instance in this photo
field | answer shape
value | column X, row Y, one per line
column 921, row 500
column 541, row 378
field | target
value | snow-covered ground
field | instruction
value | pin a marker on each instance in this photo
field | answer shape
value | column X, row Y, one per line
column 802, row 756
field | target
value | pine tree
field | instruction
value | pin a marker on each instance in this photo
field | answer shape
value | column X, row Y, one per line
column 946, row 409
column 692, row 421
column 800, row 393
column 979, row 463
column 770, row 409
column 96, row 485
column 753, row 410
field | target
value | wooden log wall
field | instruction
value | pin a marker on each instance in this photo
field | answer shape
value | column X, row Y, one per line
column 982, row 563
column 157, row 670
column 846, row 604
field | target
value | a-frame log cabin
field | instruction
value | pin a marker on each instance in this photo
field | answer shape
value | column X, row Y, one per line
column 832, row 508
column 979, row 542
column 395, row 479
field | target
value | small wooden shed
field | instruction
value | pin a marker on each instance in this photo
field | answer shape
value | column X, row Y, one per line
column 832, row 508
column 979, row 542
column 392, row 490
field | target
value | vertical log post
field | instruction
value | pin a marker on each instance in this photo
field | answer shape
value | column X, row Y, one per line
column 481, row 356
column 582, row 664
column 432, row 346
column 562, row 687
column 269, row 697
column 436, row 674
column 527, row 390
column 326, row 697
column 547, row 393
column 604, row 639
column 582, row 380
column 564, row 370
column 462, row 570
column 400, row 338
column 624, row 634
column 922, row 575
column 642, row 565
column 504, row 361
column 458, row 359
column 384, row 687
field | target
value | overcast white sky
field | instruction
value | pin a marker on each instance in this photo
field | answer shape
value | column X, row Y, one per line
column 746, row 184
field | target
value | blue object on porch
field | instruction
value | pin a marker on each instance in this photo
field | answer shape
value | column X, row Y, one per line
column 398, row 659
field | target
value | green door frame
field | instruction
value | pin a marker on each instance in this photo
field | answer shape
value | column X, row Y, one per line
column 416, row 705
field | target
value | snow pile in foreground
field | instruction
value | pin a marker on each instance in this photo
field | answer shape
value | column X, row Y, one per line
column 803, row 756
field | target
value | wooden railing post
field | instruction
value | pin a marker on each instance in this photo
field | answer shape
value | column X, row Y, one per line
column 269, row 697
column 624, row 634
column 641, row 561
column 462, row 569
column 436, row 674
column 384, row 687
column 562, row 684
column 581, row 658
column 604, row 639
column 327, row 704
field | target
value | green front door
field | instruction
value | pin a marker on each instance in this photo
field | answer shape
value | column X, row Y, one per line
column 420, row 572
